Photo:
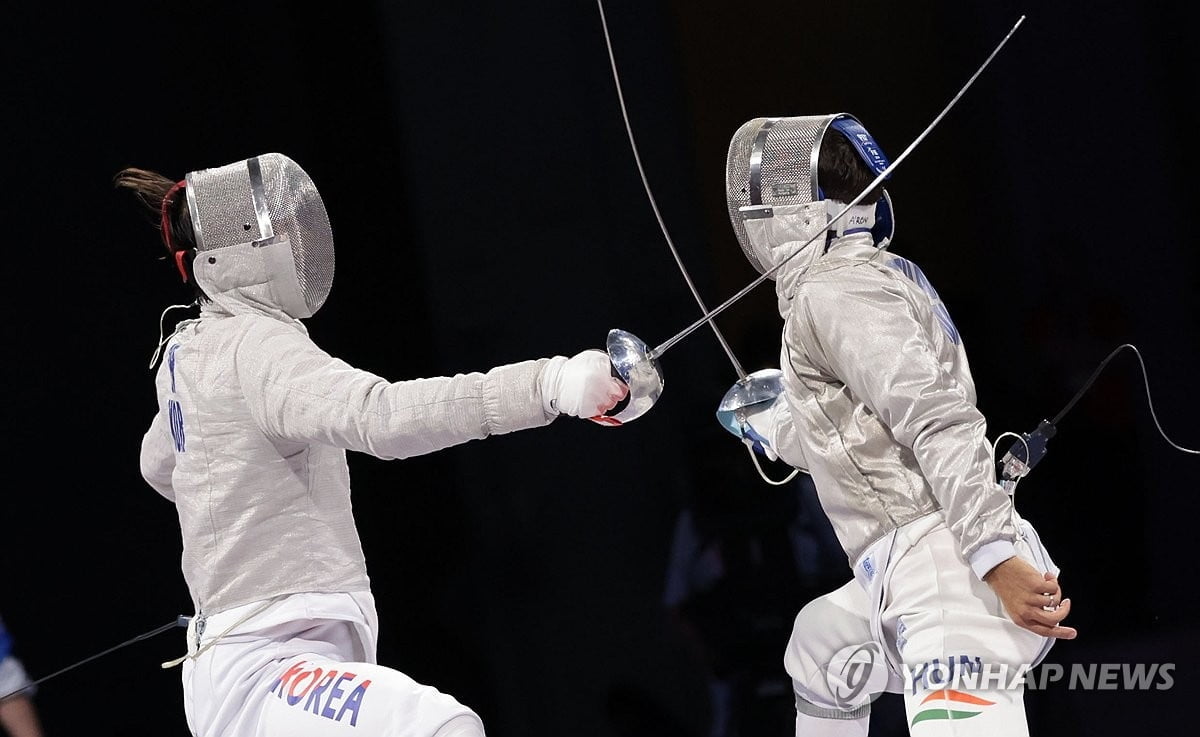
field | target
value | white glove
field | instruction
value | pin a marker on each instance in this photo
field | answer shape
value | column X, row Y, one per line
column 756, row 429
column 748, row 410
column 580, row 386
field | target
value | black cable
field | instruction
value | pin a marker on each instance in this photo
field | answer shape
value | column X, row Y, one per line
column 1087, row 384
column 1030, row 447
column 178, row 622
column 1145, row 380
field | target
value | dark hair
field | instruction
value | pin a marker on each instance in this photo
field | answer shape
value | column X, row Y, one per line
column 841, row 172
column 151, row 188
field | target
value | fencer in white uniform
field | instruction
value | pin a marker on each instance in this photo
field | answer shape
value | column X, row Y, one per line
column 250, row 440
column 877, row 402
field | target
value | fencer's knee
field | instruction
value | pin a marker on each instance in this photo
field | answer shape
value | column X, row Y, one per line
column 802, row 660
column 807, row 661
column 462, row 725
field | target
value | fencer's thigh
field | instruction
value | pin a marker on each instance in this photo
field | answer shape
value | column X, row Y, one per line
column 825, row 626
column 311, row 695
column 935, row 607
column 943, row 623
column 289, row 683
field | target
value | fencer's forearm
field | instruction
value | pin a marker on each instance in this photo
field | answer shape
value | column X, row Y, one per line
column 19, row 718
column 947, row 438
column 295, row 391
column 410, row 418
column 955, row 458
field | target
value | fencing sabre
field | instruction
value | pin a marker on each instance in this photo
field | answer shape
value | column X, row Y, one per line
column 750, row 389
column 638, row 366
column 737, row 366
column 625, row 350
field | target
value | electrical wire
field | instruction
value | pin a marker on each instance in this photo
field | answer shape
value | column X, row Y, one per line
column 177, row 622
column 1145, row 381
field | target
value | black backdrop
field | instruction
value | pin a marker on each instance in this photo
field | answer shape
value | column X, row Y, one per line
column 487, row 209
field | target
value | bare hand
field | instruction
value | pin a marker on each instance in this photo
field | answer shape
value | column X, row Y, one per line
column 1033, row 600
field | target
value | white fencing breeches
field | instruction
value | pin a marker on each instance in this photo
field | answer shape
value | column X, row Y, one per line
column 938, row 621
column 305, row 678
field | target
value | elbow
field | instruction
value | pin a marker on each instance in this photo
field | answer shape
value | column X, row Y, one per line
column 926, row 428
column 159, row 480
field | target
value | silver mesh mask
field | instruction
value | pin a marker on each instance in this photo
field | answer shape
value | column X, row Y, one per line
column 772, row 162
column 265, row 200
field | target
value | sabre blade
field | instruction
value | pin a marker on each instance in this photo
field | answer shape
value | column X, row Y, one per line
column 666, row 346
column 654, row 205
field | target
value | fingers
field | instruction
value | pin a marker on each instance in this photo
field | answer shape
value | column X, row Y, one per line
column 1059, row 633
column 1046, row 623
column 616, row 392
column 1050, row 617
column 1044, row 593
column 1043, row 596
column 608, row 398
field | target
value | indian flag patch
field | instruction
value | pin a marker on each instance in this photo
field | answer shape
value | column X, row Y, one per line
column 950, row 704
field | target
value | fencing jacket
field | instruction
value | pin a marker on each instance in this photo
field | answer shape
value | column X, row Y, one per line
column 250, row 440
column 879, row 403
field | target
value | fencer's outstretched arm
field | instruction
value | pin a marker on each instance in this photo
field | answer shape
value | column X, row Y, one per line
column 296, row 391
column 871, row 338
column 158, row 457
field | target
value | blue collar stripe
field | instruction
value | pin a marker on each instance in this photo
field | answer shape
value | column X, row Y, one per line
column 866, row 146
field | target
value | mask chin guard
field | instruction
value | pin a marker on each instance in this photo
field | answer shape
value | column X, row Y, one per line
column 643, row 375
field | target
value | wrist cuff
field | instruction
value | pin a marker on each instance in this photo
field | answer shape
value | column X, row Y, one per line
column 548, row 384
column 991, row 555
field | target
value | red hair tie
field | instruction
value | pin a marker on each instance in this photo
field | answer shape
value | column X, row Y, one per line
column 166, row 228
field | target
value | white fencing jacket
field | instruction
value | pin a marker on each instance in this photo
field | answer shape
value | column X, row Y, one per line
column 250, row 440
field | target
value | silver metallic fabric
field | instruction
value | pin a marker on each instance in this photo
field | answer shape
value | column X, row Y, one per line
column 879, row 403
column 250, row 443
column 267, row 201
column 254, row 419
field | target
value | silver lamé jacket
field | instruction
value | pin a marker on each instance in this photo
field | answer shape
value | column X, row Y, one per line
column 250, row 440
column 879, row 404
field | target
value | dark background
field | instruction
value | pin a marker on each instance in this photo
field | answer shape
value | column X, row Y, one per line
column 487, row 209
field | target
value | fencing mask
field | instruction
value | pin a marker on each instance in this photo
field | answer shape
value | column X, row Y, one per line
column 775, row 198
column 262, row 231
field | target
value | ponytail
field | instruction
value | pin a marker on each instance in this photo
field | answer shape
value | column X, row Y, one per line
column 165, row 198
